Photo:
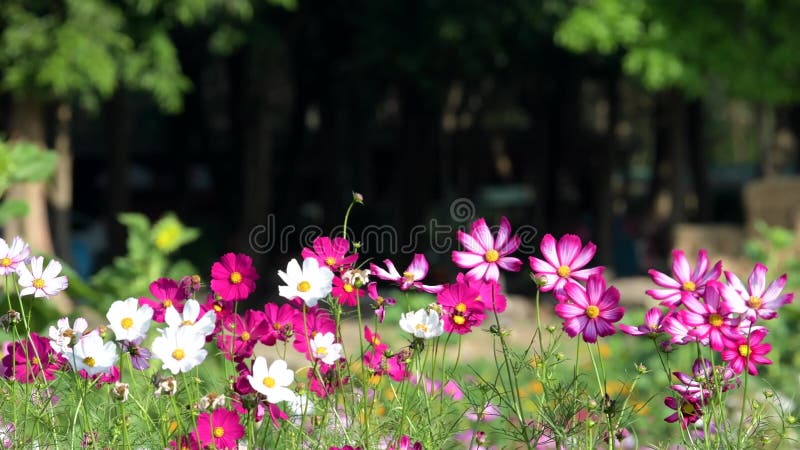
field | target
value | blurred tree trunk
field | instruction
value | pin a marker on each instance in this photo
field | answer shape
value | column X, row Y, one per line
column 61, row 189
column 26, row 123
column 698, row 161
column 765, row 127
column 117, row 187
column 604, row 164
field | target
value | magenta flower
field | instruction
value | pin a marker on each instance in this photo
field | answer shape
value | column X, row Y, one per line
column 280, row 323
column 461, row 307
column 405, row 444
column 330, row 253
column 374, row 340
column 685, row 282
column 652, row 327
column 701, row 384
column 757, row 300
column 486, row 255
column 746, row 352
column 307, row 325
column 489, row 293
column 241, row 334
column 678, row 331
column 220, row 429
column 233, row 277
column 380, row 302
column 416, row 271
column 686, row 410
column 345, row 292
column 167, row 293
column 563, row 263
column 709, row 321
column 29, row 359
column 591, row 311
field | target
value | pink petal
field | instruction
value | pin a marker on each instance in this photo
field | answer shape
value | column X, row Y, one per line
column 663, row 280
column 492, row 273
column 510, row 264
column 510, row 247
column 574, row 326
column 540, row 266
column 418, row 266
column 568, row 247
column 590, row 331
column 466, row 259
column 774, row 289
column 613, row 315
column 595, row 288
column 482, row 233
column 478, row 272
column 502, row 233
column 604, row 328
column 586, row 273
column 735, row 282
column 757, row 280
column 548, row 248
column 470, row 243
column 608, row 299
column 702, row 265
column 577, row 294
column 584, row 256
column 680, row 266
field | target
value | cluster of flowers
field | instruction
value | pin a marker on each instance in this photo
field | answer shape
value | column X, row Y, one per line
column 723, row 317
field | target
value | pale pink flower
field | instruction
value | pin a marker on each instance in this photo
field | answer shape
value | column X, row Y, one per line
column 684, row 282
column 411, row 277
column 757, row 300
column 41, row 282
column 485, row 255
column 12, row 256
column 563, row 263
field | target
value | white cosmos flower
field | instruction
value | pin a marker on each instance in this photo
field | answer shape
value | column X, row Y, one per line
column 422, row 323
column 62, row 337
column 301, row 405
column 325, row 349
column 128, row 319
column 91, row 354
column 41, row 282
column 191, row 318
column 311, row 283
column 10, row 257
column 272, row 381
column 179, row 349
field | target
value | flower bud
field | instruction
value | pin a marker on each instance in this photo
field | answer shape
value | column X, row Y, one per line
column 120, row 391
column 358, row 198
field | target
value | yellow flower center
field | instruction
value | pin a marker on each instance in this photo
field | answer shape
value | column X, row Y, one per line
column 592, row 311
column 126, row 323
column 564, row 271
column 715, row 320
column 459, row 320
column 277, row 326
column 491, row 256
column 187, row 322
column 322, row 351
column 5, row 262
column 687, row 409
column 217, row 307
column 461, row 307
column 245, row 336
column 38, row 283
column 348, row 287
column 408, row 276
column 268, row 382
column 421, row 327
column 330, row 260
column 167, row 303
column 89, row 361
column 744, row 350
column 178, row 354
column 236, row 277
column 376, row 341
column 303, row 286
column 754, row 302
column 219, row 432
column 35, row 361
column 689, row 286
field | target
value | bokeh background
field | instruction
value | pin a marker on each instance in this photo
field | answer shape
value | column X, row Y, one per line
column 641, row 125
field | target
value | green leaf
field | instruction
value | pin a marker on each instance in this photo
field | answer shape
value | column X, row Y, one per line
column 10, row 209
column 28, row 162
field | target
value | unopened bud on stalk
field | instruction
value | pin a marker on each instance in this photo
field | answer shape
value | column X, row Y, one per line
column 120, row 391
column 358, row 198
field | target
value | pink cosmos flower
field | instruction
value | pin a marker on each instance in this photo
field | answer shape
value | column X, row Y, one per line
column 167, row 293
column 220, row 429
column 746, row 352
column 684, row 282
column 591, row 311
column 757, row 300
column 486, row 255
column 41, row 282
column 306, row 326
column 330, row 253
column 31, row 358
column 462, row 309
column 563, row 263
column 678, row 331
column 380, row 302
column 652, row 326
column 703, row 381
column 280, row 322
column 405, row 444
column 709, row 321
column 233, row 277
column 374, row 340
column 416, row 271
column 686, row 410
column 11, row 257
column 241, row 334
column 345, row 292
column 488, row 292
